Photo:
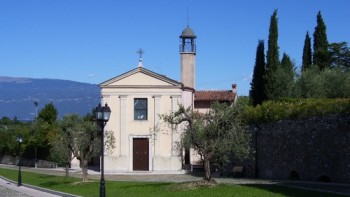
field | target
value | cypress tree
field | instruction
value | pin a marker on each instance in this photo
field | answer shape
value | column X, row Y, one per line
column 286, row 76
column 307, row 54
column 321, row 54
column 273, row 62
column 257, row 86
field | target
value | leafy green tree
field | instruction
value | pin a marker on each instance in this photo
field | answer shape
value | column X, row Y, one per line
column 337, row 83
column 327, row 83
column 80, row 138
column 272, row 57
column 340, row 56
column 5, row 121
column 42, row 131
column 321, row 54
column 310, row 84
column 9, row 130
column 307, row 53
column 48, row 114
column 214, row 135
column 60, row 151
column 7, row 139
column 257, row 86
column 39, row 139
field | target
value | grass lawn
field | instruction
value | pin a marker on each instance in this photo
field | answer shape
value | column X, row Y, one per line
column 116, row 188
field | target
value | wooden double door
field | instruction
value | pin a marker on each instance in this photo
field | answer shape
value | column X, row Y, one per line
column 140, row 154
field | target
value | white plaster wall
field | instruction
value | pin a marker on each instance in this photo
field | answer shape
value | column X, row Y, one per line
column 188, row 62
column 139, row 79
column 161, row 141
column 187, row 99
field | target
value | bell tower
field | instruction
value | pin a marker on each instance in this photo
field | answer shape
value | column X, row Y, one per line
column 188, row 57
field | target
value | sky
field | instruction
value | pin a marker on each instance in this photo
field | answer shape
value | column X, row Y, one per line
column 93, row 41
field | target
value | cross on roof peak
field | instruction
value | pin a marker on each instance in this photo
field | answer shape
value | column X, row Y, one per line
column 140, row 52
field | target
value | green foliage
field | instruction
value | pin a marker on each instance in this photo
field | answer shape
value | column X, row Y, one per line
column 273, row 63
column 273, row 49
column 80, row 138
column 48, row 114
column 307, row 53
column 9, row 130
column 337, row 83
column 327, row 77
column 340, row 56
column 7, row 141
column 60, row 151
column 36, row 136
column 285, row 77
column 309, row 84
column 273, row 111
column 257, row 86
column 327, row 83
column 6, row 121
column 215, row 135
column 321, row 54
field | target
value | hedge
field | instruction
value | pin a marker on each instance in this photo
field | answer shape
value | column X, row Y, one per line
column 273, row 111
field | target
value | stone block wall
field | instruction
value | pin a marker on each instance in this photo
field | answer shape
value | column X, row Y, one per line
column 10, row 160
column 313, row 149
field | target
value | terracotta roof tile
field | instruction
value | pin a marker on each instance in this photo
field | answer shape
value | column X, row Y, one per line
column 214, row 95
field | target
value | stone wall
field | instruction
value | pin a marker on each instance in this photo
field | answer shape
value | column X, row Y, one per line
column 314, row 149
column 10, row 160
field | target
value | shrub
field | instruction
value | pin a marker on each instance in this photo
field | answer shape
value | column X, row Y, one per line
column 273, row 111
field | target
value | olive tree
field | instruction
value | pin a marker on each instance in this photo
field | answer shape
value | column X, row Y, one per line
column 215, row 135
column 80, row 138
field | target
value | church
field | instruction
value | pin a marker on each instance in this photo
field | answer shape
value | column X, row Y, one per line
column 137, row 98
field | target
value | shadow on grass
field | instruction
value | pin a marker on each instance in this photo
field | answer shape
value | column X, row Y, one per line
column 54, row 183
column 43, row 176
column 288, row 191
column 143, row 185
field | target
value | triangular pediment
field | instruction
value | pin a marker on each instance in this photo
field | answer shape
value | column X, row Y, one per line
column 140, row 77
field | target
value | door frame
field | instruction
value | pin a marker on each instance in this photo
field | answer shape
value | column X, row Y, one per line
column 131, row 151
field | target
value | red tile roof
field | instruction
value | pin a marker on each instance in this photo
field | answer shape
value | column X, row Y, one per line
column 214, row 95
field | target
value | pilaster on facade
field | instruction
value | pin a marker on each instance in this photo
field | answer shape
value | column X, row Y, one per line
column 175, row 135
column 123, row 138
column 157, row 110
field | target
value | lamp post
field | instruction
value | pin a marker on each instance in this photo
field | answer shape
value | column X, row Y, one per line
column 19, row 140
column 102, row 117
column 35, row 149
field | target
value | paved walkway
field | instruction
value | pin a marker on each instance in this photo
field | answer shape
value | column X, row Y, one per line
column 336, row 188
column 10, row 189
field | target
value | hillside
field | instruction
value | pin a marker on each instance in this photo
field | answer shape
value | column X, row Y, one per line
column 17, row 96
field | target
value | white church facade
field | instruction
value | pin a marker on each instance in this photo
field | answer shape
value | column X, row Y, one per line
column 137, row 98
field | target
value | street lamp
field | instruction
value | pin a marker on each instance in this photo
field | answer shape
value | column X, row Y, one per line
column 35, row 147
column 102, row 117
column 19, row 140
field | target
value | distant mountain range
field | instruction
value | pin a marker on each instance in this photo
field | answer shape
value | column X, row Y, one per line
column 17, row 96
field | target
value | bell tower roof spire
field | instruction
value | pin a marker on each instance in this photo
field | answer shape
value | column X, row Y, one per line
column 188, row 33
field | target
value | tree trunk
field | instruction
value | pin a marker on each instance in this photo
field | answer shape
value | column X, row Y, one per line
column 85, row 171
column 207, row 174
column 67, row 170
